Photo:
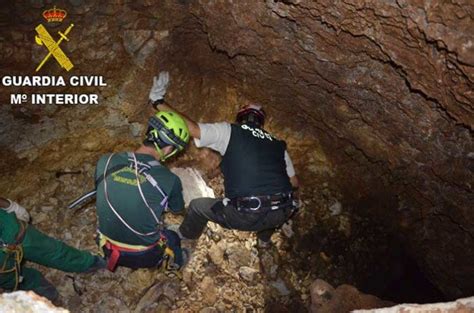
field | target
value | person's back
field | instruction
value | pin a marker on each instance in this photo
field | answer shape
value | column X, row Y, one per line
column 133, row 191
column 125, row 197
column 258, row 178
column 254, row 163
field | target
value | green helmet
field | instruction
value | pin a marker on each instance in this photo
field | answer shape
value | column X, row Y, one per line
column 168, row 129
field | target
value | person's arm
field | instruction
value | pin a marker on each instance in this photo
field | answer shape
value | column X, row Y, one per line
column 215, row 136
column 13, row 207
column 4, row 203
column 192, row 125
column 290, row 171
column 176, row 201
column 157, row 99
column 294, row 182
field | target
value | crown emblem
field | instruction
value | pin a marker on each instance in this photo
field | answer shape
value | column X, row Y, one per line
column 54, row 15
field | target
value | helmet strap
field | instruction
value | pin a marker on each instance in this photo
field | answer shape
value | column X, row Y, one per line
column 171, row 154
column 164, row 157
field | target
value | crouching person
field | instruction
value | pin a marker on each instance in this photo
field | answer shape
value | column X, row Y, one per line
column 20, row 242
column 133, row 191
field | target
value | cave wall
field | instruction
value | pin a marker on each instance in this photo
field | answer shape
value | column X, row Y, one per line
column 387, row 87
column 383, row 89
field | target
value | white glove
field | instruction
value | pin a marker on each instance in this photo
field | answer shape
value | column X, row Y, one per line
column 160, row 83
column 20, row 212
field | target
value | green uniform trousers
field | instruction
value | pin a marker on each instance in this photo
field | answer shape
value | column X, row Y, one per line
column 38, row 248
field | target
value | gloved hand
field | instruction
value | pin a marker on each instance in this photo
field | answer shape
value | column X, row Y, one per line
column 160, row 84
column 20, row 212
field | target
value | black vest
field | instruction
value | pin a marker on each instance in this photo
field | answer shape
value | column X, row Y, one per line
column 254, row 163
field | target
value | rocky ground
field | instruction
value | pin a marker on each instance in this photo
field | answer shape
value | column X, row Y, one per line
column 226, row 272
column 327, row 240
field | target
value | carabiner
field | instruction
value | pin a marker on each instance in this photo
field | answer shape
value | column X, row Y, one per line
column 259, row 203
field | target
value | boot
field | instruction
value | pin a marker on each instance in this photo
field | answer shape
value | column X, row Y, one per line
column 47, row 290
column 263, row 244
column 99, row 264
column 175, row 228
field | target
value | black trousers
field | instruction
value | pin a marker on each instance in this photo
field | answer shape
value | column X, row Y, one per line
column 202, row 210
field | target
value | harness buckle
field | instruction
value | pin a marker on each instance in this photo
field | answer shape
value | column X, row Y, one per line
column 259, row 203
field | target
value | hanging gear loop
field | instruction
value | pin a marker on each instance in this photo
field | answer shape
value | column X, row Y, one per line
column 15, row 250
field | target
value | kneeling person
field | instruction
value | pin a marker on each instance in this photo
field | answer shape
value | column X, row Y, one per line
column 22, row 242
column 259, row 178
column 133, row 191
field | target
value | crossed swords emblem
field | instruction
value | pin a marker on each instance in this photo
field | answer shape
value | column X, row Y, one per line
column 44, row 38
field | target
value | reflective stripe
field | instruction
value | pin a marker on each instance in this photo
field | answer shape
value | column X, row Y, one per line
column 149, row 178
column 116, row 249
column 103, row 239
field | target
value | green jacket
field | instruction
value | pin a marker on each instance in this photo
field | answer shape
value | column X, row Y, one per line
column 39, row 248
column 126, row 199
column 9, row 227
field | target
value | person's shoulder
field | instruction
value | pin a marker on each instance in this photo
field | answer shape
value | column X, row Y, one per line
column 164, row 172
column 103, row 158
column 275, row 137
column 116, row 157
column 240, row 127
column 166, row 177
column 215, row 125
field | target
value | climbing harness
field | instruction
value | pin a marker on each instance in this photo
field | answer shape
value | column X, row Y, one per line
column 143, row 170
column 259, row 204
column 155, row 255
column 14, row 250
column 133, row 256
column 158, row 252
column 123, row 254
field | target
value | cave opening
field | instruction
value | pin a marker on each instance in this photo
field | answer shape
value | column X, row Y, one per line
column 373, row 260
column 374, row 102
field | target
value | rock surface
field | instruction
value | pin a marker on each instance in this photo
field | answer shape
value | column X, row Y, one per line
column 345, row 298
column 387, row 88
column 459, row 306
column 27, row 302
column 193, row 184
